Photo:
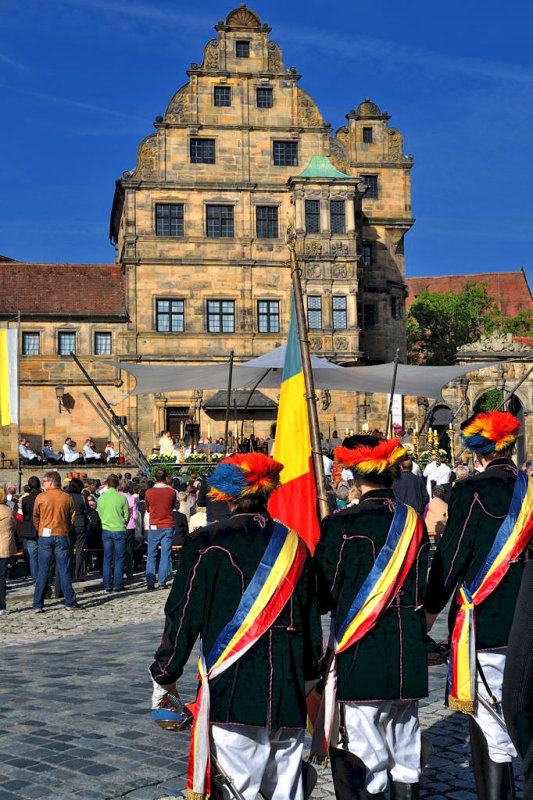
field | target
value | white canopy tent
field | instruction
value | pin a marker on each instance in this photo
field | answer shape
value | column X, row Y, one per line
column 267, row 370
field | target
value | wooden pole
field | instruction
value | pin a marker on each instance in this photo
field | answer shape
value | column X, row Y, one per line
column 228, row 402
column 19, row 353
column 388, row 423
column 316, row 449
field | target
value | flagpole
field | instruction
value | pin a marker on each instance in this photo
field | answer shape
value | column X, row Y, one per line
column 19, row 351
column 316, row 449
column 388, row 423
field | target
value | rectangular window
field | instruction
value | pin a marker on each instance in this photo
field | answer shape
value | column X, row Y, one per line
column 340, row 316
column 170, row 315
column 367, row 255
column 221, row 316
column 285, row 154
column 169, row 219
column 367, row 135
column 266, row 221
column 312, row 216
column 31, row 344
column 337, row 216
column 66, row 342
column 314, row 312
column 242, row 49
column 219, row 222
column 202, row 151
column 102, row 344
column 264, row 97
column 268, row 316
column 369, row 315
column 222, row 96
column 396, row 307
column 372, row 192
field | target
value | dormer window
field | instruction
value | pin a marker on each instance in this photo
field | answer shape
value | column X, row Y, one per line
column 367, row 135
column 242, row 49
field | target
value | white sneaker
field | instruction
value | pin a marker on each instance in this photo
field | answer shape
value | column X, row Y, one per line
column 3, row 612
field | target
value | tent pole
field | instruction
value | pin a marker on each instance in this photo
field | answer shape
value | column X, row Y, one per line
column 228, row 401
column 388, row 422
column 254, row 387
column 316, row 450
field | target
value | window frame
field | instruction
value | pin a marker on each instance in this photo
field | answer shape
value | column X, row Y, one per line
column 268, row 315
column 368, row 135
column 180, row 315
column 23, row 350
column 220, row 314
column 108, row 334
column 201, row 140
column 372, row 192
column 266, row 222
column 343, row 310
column 396, row 307
column 284, row 161
column 247, row 48
column 60, row 335
column 317, row 310
column 270, row 94
column 367, row 262
column 312, row 215
column 337, row 216
column 222, row 89
column 178, row 219
column 208, row 209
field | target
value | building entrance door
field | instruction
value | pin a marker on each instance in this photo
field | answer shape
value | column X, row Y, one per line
column 176, row 415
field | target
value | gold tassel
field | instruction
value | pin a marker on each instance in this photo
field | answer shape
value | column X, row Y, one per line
column 466, row 706
column 195, row 795
column 322, row 761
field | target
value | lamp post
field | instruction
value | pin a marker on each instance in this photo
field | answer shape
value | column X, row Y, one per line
column 60, row 393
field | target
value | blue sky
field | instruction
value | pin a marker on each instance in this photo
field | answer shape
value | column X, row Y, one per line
column 82, row 80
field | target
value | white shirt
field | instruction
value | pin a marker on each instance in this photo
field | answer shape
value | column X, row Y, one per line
column 110, row 452
column 27, row 452
column 89, row 452
column 49, row 452
column 69, row 454
column 439, row 473
column 347, row 475
column 415, row 469
column 328, row 465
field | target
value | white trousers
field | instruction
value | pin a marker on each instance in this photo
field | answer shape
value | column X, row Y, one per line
column 257, row 759
column 501, row 748
column 386, row 737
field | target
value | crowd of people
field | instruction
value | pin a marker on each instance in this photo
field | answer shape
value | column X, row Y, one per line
column 60, row 528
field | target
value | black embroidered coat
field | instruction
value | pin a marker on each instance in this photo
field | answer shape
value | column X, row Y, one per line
column 390, row 661
column 265, row 687
column 478, row 507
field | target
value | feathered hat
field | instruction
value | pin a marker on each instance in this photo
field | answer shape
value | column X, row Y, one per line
column 244, row 474
column 370, row 456
column 490, row 432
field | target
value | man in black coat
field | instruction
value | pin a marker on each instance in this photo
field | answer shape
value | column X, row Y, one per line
column 257, row 704
column 382, row 675
column 410, row 488
column 478, row 509
column 28, row 531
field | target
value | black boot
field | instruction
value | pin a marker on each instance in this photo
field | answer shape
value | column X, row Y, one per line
column 493, row 781
column 404, row 791
column 349, row 776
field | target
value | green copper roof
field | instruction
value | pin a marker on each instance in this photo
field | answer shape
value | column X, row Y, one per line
column 321, row 167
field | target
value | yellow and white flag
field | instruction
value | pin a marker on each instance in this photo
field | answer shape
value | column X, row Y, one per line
column 8, row 377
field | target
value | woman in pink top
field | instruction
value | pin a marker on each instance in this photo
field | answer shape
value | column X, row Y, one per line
column 133, row 503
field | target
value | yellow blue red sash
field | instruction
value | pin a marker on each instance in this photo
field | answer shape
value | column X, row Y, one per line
column 260, row 605
column 511, row 539
column 378, row 590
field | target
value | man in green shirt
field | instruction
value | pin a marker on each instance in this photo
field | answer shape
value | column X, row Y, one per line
column 114, row 514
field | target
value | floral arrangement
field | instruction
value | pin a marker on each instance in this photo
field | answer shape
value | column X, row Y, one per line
column 155, row 458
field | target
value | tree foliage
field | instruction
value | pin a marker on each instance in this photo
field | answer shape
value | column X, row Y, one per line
column 439, row 323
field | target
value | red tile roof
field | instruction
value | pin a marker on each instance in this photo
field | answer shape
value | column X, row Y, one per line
column 71, row 290
column 510, row 289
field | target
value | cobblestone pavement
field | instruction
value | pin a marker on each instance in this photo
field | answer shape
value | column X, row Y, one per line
column 74, row 706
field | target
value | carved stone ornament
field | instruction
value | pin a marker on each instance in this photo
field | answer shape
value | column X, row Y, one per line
column 339, row 249
column 243, row 18
column 314, row 271
column 179, row 109
column 275, row 58
column 395, row 145
column 308, row 113
column 211, row 55
column 315, row 343
column 313, row 248
column 340, row 271
column 497, row 343
column 340, row 344
column 338, row 155
column 147, row 159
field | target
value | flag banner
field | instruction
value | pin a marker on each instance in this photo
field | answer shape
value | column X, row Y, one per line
column 8, row 377
column 295, row 502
